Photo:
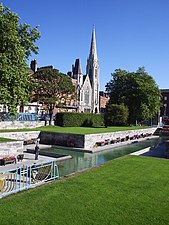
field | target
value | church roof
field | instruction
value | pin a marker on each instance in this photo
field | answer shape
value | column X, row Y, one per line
column 84, row 78
column 86, row 82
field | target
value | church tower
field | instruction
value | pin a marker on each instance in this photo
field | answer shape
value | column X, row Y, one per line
column 87, row 86
column 92, row 70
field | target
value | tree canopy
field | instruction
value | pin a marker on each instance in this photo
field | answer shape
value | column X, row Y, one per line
column 115, row 115
column 52, row 88
column 136, row 90
column 16, row 44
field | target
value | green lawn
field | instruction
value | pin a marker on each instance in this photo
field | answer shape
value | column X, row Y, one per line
column 78, row 130
column 5, row 139
column 130, row 190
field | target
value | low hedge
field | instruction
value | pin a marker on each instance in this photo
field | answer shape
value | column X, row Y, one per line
column 69, row 119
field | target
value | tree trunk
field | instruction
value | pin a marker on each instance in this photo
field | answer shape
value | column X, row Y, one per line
column 50, row 120
column 50, row 115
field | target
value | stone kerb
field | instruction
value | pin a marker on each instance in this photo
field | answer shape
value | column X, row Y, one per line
column 92, row 139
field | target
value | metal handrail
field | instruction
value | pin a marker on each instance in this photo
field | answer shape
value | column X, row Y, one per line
column 25, row 177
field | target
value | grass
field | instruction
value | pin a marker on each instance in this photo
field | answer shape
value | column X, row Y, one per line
column 5, row 139
column 127, row 191
column 77, row 130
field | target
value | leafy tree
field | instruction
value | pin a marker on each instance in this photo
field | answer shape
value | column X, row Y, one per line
column 28, row 37
column 16, row 44
column 52, row 88
column 136, row 90
column 115, row 115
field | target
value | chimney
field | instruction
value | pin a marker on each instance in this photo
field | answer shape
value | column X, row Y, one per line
column 33, row 65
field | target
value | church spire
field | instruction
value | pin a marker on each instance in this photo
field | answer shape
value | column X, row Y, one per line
column 93, row 51
column 92, row 70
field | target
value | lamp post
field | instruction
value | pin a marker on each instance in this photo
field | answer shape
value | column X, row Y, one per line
column 165, row 109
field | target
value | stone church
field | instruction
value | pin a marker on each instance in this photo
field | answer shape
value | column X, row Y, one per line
column 87, row 85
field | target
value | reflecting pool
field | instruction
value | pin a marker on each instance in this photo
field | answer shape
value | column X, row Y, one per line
column 82, row 160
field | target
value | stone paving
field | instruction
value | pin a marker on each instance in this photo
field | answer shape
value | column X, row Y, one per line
column 29, row 159
column 158, row 151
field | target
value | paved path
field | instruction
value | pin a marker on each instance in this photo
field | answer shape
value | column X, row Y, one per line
column 29, row 159
column 158, row 151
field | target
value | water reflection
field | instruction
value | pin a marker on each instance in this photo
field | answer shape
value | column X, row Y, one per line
column 81, row 161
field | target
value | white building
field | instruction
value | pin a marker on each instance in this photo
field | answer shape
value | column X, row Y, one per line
column 87, row 85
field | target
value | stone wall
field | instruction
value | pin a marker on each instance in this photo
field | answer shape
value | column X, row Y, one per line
column 87, row 141
column 20, row 135
column 62, row 139
column 16, row 147
column 4, row 125
column 91, row 139
column 73, row 140
column 11, row 148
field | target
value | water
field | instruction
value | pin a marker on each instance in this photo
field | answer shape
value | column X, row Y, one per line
column 82, row 160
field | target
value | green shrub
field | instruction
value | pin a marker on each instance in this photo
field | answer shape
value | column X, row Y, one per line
column 116, row 115
column 69, row 119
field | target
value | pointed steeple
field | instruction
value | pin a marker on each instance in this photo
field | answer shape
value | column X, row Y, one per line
column 93, row 51
column 78, row 67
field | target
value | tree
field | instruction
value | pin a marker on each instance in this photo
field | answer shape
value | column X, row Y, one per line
column 136, row 90
column 16, row 43
column 52, row 88
column 115, row 115
column 28, row 37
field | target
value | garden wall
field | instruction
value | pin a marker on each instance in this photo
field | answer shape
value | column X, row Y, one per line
column 92, row 139
column 20, row 124
column 16, row 146
column 62, row 139
column 20, row 135
column 88, row 141
column 80, row 141
column 11, row 148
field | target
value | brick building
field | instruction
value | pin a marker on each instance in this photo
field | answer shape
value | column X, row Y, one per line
column 164, row 109
column 103, row 99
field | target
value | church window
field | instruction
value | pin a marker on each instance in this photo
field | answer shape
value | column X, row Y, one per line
column 96, row 73
column 81, row 97
column 86, row 100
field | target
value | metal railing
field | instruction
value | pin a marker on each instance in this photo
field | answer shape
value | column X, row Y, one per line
column 27, row 117
column 25, row 177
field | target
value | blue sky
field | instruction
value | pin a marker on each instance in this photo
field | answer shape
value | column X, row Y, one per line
column 129, row 34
